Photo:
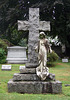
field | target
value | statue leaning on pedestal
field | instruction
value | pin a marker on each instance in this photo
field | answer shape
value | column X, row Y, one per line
column 43, row 48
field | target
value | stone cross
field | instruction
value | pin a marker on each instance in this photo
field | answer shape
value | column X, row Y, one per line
column 33, row 25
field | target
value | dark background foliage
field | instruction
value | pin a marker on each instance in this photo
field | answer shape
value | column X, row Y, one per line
column 55, row 11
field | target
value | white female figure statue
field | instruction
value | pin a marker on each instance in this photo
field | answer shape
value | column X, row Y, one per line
column 43, row 48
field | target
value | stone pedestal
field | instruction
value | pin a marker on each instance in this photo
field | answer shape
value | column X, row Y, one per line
column 28, row 82
column 35, row 87
column 16, row 55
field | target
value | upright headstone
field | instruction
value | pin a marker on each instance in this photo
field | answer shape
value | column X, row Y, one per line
column 27, row 81
column 16, row 54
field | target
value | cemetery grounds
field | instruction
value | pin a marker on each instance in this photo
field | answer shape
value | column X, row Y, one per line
column 61, row 71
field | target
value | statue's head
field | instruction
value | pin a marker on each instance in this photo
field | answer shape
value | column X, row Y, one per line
column 42, row 35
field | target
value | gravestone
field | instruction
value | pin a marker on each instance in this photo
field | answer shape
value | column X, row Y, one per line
column 21, row 67
column 64, row 60
column 27, row 81
column 16, row 54
column 6, row 68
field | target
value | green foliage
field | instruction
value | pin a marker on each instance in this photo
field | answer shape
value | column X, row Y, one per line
column 57, row 11
column 2, row 56
column 8, row 42
column 3, row 45
column 52, row 57
column 13, row 35
column 3, row 50
column 2, row 53
column 23, row 42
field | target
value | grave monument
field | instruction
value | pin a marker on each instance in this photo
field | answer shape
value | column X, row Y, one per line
column 16, row 55
column 27, row 80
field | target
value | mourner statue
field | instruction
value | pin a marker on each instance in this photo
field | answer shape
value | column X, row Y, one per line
column 43, row 48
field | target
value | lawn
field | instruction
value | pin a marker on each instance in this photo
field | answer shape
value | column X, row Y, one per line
column 61, row 71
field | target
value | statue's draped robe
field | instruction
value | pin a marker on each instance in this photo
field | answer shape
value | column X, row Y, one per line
column 43, row 48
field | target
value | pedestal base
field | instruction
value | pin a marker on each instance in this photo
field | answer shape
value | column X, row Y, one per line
column 35, row 87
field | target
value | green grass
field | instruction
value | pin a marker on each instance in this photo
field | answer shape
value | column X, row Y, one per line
column 61, row 71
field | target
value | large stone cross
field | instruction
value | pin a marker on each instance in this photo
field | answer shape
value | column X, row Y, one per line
column 33, row 25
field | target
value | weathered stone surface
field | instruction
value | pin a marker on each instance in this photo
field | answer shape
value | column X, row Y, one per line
column 28, row 71
column 33, row 25
column 56, row 87
column 23, row 25
column 25, row 77
column 51, row 76
column 45, row 26
column 33, row 34
column 30, row 77
column 24, row 87
column 34, row 18
column 31, row 65
column 16, row 54
column 36, row 87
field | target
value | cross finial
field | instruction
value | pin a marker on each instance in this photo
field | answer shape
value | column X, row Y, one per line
column 33, row 25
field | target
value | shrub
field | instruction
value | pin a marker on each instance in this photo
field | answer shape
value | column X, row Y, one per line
column 3, row 45
column 2, row 56
column 52, row 57
column 3, row 49
column 8, row 42
column 23, row 42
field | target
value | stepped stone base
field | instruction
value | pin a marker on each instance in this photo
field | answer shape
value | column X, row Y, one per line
column 28, row 71
column 31, row 65
column 35, row 87
column 31, row 77
column 28, row 82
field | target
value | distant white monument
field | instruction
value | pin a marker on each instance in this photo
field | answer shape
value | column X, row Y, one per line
column 16, row 54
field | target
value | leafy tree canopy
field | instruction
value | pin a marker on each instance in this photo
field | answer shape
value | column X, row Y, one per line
column 57, row 11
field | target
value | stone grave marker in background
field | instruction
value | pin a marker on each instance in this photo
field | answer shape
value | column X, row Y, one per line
column 21, row 67
column 27, row 81
column 16, row 55
column 65, row 60
column 6, row 68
